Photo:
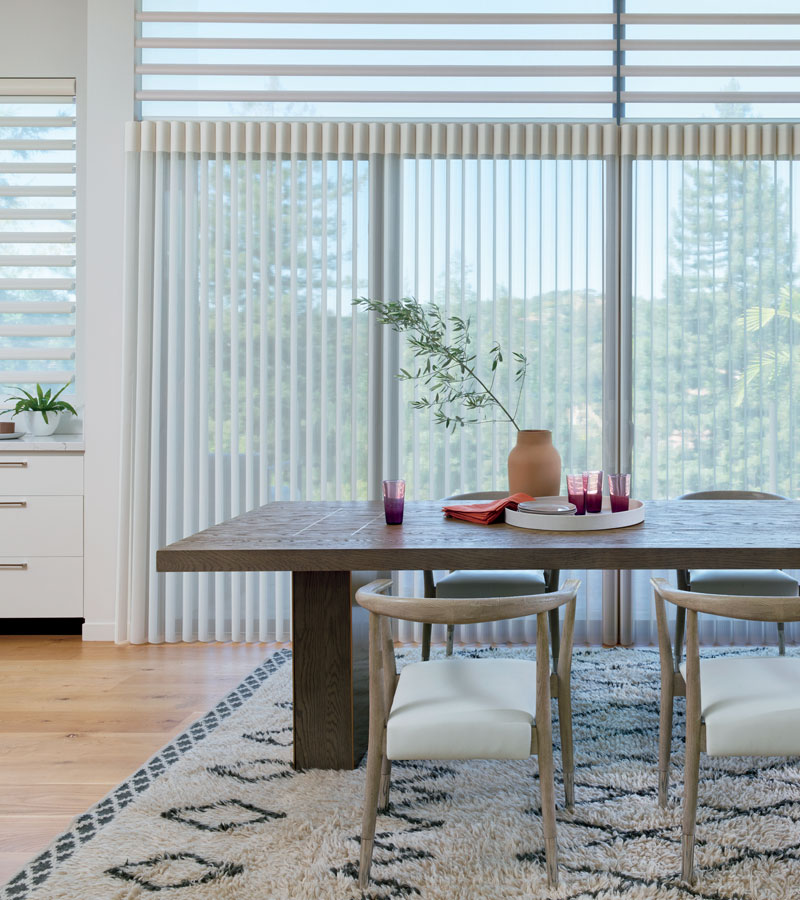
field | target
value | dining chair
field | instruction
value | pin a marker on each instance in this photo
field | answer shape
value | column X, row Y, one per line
column 733, row 582
column 489, row 582
column 735, row 706
column 466, row 708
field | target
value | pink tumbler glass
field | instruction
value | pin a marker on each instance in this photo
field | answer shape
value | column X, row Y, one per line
column 619, row 488
column 576, row 493
column 593, row 485
column 394, row 493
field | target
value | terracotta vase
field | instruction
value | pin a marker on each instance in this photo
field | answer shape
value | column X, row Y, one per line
column 534, row 465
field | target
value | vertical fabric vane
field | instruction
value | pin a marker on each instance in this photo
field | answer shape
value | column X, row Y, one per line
column 250, row 376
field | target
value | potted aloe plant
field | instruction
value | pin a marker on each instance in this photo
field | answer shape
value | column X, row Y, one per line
column 44, row 409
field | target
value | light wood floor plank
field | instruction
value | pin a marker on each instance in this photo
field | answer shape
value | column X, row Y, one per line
column 78, row 718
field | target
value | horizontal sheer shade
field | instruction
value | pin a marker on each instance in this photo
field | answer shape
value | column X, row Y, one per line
column 261, row 60
column 320, row 55
column 730, row 63
column 37, row 88
column 37, row 231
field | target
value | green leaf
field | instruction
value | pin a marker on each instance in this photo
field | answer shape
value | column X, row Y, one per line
column 61, row 390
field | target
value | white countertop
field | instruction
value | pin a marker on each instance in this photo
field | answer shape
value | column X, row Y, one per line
column 53, row 443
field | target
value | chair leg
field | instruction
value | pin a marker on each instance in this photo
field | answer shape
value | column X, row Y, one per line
column 680, row 628
column 548, row 794
column 691, row 777
column 781, row 639
column 555, row 635
column 567, row 755
column 665, row 736
column 374, row 767
column 450, row 632
column 386, row 780
column 426, row 641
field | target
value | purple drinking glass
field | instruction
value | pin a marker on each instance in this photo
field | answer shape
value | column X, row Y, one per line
column 619, row 489
column 593, row 486
column 576, row 493
column 394, row 493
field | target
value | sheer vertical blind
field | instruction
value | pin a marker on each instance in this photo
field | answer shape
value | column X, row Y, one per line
column 253, row 378
column 716, row 312
column 653, row 285
column 37, row 231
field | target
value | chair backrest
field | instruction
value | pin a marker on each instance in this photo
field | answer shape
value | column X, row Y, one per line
column 683, row 574
column 476, row 495
column 731, row 495
column 757, row 609
column 461, row 611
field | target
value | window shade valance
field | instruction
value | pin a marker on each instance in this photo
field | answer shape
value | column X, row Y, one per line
column 709, row 140
column 361, row 139
column 511, row 140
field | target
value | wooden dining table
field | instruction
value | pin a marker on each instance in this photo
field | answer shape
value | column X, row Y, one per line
column 325, row 544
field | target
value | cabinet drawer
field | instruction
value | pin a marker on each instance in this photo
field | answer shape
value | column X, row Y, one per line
column 41, row 526
column 44, row 588
column 34, row 473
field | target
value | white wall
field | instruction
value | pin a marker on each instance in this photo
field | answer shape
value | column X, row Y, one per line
column 109, row 104
column 45, row 38
column 91, row 40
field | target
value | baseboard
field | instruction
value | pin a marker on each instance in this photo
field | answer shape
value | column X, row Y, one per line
column 41, row 626
column 98, row 631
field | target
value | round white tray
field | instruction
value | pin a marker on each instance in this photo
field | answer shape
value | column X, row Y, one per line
column 590, row 522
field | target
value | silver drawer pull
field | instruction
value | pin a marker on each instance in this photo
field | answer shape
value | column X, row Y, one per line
column 13, row 565
column 8, row 504
column 15, row 464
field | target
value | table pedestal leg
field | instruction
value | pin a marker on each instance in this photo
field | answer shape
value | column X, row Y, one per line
column 330, row 643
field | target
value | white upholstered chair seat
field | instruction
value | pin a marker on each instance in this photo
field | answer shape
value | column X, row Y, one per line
column 743, row 582
column 751, row 705
column 463, row 709
column 491, row 583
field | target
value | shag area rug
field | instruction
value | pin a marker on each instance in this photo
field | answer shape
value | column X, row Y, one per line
column 219, row 813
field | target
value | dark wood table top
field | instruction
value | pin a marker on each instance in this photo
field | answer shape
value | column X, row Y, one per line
column 340, row 536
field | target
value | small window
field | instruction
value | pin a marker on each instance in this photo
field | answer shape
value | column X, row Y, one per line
column 37, row 232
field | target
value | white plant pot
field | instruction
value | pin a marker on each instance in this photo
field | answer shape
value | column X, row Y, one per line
column 39, row 427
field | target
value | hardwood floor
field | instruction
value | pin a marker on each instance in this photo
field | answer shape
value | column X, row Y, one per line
column 77, row 718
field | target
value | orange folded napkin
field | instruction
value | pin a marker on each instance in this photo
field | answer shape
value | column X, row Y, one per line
column 484, row 513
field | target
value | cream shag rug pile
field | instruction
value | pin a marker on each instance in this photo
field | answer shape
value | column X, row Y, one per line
column 220, row 814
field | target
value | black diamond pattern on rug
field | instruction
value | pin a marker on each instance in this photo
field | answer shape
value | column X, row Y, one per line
column 226, row 815
column 170, row 871
column 276, row 737
column 251, row 771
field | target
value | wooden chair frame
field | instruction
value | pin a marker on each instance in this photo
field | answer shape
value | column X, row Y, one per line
column 383, row 680
column 673, row 684
column 684, row 578
column 551, row 577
